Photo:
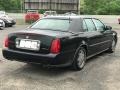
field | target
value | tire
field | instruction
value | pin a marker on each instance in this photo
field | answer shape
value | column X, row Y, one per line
column 10, row 25
column 113, row 46
column 80, row 59
column 2, row 28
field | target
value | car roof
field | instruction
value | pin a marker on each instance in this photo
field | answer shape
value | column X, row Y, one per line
column 68, row 17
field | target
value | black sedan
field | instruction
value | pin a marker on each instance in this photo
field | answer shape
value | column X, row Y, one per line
column 60, row 41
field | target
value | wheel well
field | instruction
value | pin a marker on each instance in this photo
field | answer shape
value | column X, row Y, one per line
column 85, row 47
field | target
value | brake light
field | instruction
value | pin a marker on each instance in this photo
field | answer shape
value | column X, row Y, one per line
column 55, row 46
column 6, row 42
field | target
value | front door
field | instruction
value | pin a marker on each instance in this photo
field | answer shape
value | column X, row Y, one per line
column 106, row 34
column 94, row 37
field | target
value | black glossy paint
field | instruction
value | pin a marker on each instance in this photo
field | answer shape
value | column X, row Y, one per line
column 94, row 42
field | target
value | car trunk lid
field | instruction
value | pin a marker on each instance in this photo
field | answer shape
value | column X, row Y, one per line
column 44, row 36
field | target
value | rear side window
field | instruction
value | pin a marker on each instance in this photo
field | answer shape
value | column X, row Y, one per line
column 99, row 25
column 90, row 25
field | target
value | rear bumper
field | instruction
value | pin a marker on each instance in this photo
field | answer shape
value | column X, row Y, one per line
column 57, row 60
column 12, row 23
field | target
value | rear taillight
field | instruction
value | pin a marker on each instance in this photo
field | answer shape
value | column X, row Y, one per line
column 55, row 46
column 6, row 42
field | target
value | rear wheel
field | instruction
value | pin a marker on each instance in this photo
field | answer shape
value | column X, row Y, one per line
column 113, row 46
column 80, row 59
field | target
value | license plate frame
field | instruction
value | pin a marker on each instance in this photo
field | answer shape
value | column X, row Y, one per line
column 28, row 44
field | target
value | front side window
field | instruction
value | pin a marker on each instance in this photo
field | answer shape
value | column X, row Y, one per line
column 52, row 24
column 90, row 25
column 99, row 25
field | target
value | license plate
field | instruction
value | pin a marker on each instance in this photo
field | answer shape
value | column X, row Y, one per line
column 28, row 44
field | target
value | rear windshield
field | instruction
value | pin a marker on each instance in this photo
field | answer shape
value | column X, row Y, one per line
column 52, row 24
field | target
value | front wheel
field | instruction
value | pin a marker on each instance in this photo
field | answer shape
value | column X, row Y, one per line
column 80, row 59
column 1, row 28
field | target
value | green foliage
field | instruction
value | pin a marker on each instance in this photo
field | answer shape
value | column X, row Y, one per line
column 103, row 7
column 10, row 4
column 41, row 11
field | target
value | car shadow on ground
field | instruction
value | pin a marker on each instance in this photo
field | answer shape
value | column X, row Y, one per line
column 54, row 71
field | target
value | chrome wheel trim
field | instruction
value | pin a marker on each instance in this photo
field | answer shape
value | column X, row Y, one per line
column 81, row 59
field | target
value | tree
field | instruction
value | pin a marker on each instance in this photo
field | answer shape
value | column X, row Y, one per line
column 10, row 4
column 102, row 7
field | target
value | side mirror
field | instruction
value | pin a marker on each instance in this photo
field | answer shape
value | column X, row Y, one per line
column 108, row 28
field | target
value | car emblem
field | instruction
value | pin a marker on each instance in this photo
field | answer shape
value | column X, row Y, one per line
column 27, row 37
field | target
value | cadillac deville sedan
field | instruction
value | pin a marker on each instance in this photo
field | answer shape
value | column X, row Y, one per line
column 60, row 41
